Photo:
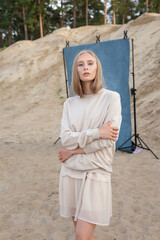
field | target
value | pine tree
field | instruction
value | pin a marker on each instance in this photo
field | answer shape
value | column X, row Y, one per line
column 6, row 22
column 114, row 14
column 148, row 6
column 96, row 9
column 74, row 13
column 24, row 6
column 40, row 18
column 86, row 12
column 122, row 11
column 31, row 19
column 126, row 10
column 105, row 12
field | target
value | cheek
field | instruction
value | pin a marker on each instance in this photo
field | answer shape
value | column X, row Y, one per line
column 79, row 72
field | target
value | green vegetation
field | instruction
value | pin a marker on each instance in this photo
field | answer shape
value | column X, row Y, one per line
column 59, row 93
column 1, row 49
column 32, row 19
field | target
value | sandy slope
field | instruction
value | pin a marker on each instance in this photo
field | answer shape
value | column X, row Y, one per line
column 32, row 76
column 32, row 92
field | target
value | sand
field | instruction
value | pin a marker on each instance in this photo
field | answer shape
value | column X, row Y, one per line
column 32, row 92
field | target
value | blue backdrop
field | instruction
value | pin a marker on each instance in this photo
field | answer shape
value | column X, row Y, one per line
column 114, row 56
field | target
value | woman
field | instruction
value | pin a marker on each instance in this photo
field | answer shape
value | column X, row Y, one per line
column 89, row 129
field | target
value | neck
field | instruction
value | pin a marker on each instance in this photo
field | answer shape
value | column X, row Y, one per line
column 86, row 88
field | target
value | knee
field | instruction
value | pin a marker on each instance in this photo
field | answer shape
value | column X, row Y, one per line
column 81, row 236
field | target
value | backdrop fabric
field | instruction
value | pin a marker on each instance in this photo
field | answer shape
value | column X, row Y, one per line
column 114, row 56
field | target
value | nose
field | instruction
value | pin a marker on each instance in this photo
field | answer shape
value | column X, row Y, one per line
column 85, row 67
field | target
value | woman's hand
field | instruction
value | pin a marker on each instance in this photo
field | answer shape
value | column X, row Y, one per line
column 64, row 154
column 107, row 131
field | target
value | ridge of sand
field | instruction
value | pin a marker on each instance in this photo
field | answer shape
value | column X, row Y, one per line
column 32, row 83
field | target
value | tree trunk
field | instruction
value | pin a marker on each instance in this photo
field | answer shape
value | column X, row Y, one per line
column 48, row 27
column 105, row 12
column 1, row 40
column 62, row 13
column 6, row 38
column 40, row 20
column 123, row 19
column 114, row 15
column 10, row 35
column 74, row 14
column 24, row 20
column 147, row 6
column 86, row 12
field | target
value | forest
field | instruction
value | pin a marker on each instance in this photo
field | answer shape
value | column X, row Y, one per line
column 32, row 19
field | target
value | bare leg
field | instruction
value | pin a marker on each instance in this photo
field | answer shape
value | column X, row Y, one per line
column 84, row 230
column 92, row 238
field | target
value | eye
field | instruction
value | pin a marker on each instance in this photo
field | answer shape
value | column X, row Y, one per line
column 90, row 63
column 80, row 64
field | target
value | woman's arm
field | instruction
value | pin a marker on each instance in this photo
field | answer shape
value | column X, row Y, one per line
column 113, row 115
column 65, row 154
column 73, row 140
column 93, row 140
column 108, row 135
column 105, row 131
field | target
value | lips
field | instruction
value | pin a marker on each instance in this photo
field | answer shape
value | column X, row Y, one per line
column 86, row 73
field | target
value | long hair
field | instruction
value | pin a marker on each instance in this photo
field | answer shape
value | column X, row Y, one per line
column 76, row 82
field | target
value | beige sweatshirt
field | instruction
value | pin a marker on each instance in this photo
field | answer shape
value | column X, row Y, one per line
column 79, row 128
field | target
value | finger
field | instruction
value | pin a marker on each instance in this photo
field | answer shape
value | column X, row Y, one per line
column 109, row 123
column 112, row 136
column 114, row 139
column 115, row 128
column 114, row 133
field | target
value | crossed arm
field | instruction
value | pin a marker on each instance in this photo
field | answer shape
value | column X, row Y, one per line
column 91, row 140
column 106, row 131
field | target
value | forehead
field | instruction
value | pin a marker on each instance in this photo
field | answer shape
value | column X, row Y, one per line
column 86, row 57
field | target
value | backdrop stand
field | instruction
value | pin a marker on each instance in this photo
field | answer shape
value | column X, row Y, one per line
column 138, row 142
column 67, row 45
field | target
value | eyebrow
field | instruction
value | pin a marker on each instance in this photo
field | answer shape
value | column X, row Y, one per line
column 87, row 60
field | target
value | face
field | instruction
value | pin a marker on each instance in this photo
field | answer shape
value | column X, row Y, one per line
column 87, row 67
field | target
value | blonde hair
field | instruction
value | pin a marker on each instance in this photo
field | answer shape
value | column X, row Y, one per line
column 76, row 82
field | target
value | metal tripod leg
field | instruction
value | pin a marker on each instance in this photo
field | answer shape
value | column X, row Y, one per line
column 147, row 148
column 137, row 137
column 56, row 140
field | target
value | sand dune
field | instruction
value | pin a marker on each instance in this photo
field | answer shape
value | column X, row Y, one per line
column 32, row 92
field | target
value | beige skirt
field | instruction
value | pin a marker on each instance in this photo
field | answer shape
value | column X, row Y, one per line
column 88, row 198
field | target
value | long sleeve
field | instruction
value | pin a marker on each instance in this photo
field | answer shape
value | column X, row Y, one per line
column 71, row 139
column 114, row 114
column 79, row 128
